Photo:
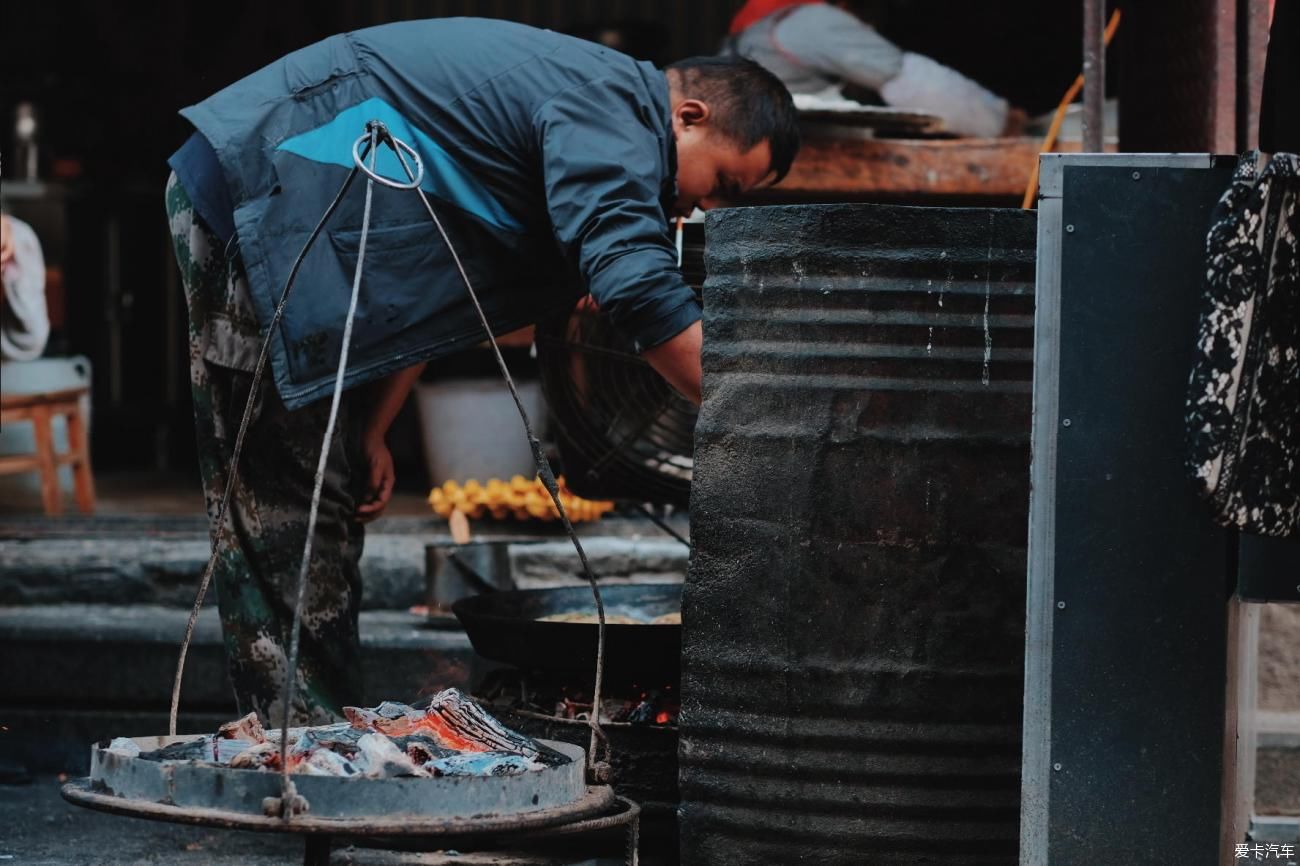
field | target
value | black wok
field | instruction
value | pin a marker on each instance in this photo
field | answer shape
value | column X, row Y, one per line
column 503, row 626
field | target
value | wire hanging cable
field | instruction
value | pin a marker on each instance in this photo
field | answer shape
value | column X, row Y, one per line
column 548, row 481
column 659, row 522
column 223, row 508
column 288, row 793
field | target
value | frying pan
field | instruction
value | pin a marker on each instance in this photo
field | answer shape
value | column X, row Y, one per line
column 503, row 626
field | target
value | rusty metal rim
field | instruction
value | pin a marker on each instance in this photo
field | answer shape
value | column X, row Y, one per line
column 597, row 799
column 628, row 811
column 625, row 812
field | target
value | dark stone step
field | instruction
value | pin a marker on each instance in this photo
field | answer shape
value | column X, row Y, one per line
column 430, row 528
column 152, row 569
column 1277, row 780
column 1277, row 764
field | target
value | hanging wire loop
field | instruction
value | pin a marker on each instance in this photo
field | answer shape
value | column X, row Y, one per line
column 377, row 132
column 599, row 769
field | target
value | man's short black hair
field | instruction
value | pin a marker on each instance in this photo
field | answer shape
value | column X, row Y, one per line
column 749, row 103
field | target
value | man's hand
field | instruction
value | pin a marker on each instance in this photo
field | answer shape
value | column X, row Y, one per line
column 678, row 361
column 379, row 477
column 389, row 395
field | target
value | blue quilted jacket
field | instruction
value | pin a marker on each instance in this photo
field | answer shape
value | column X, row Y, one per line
column 551, row 161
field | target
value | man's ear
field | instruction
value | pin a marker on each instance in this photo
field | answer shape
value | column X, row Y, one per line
column 692, row 112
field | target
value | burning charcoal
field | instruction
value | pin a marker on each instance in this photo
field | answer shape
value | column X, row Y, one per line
column 445, row 723
column 643, row 713
column 273, row 735
column 420, row 749
column 482, row 764
column 248, row 728
column 389, row 714
column 465, row 722
column 379, row 758
column 341, row 738
column 198, row 749
column 225, row 751
column 454, row 736
column 263, row 756
column 123, row 746
column 323, row 762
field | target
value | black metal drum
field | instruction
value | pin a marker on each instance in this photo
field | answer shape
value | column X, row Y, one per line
column 853, row 636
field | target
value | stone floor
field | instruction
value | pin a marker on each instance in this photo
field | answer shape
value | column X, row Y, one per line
column 37, row 828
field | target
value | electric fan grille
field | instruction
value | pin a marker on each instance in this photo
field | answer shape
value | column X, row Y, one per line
column 622, row 431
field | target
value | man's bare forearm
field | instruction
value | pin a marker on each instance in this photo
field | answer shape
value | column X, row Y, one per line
column 390, row 394
column 678, row 361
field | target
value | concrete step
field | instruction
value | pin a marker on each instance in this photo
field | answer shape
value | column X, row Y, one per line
column 1277, row 766
column 125, row 655
column 115, row 567
column 1276, row 831
column 93, row 608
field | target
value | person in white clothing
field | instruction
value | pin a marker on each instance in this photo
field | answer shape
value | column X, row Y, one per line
column 24, row 322
column 816, row 47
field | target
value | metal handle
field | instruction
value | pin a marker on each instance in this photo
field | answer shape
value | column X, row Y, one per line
column 358, row 157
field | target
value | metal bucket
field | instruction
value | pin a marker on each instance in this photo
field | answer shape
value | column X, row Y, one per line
column 853, row 636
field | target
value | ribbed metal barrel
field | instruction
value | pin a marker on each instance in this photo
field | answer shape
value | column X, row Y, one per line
column 854, row 613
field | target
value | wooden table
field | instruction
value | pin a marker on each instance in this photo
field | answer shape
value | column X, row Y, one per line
column 983, row 170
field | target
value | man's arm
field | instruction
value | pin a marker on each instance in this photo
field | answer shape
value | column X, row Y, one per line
column 602, row 184
column 678, row 361
column 390, row 394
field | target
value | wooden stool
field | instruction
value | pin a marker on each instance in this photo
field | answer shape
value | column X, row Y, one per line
column 40, row 409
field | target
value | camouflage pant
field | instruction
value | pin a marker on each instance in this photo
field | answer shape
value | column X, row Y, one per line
column 256, row 574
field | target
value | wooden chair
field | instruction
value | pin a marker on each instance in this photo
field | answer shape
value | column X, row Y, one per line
column 40, row 409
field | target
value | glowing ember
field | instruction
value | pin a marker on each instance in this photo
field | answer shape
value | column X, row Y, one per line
column 453, row 736
column 510, row 689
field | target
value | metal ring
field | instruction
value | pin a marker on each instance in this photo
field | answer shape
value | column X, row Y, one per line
column 378, row 178
column 596, row 801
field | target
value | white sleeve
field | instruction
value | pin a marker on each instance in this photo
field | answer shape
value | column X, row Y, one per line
column 966, row 107
column 836, row 43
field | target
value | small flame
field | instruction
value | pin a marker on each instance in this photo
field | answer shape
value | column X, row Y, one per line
column 662, row 719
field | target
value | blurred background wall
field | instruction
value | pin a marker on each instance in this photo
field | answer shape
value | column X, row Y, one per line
column 106, row 80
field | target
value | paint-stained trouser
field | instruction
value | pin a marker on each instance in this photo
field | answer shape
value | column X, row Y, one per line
column 262, row 544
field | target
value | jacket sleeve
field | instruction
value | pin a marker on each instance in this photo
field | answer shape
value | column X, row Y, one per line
column 602, row 167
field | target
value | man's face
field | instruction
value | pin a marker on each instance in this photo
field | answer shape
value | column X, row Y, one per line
column 710, row 166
